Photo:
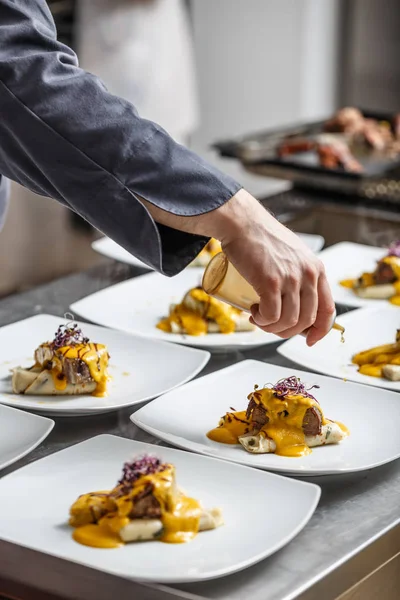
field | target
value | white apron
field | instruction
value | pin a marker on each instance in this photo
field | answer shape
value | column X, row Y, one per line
column 142, row 50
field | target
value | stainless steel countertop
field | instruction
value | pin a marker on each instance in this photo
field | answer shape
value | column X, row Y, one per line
column 354, row 510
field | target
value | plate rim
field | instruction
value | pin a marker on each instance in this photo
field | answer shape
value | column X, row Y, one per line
column 240, row 566
column 203, row 449
column 88, row 411
column 48, row 429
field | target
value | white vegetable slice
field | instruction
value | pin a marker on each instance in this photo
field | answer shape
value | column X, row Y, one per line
column 141, row 530
column 151, row 529
column 331, row 433
column 376, row 292
column 257, row 444
column 42, row 384
column 22, row 379
column 391, row 372
column 211, row 519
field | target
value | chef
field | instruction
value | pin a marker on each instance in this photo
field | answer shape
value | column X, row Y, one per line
column 63, row 135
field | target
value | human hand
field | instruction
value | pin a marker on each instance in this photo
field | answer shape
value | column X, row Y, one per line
column 289, row 279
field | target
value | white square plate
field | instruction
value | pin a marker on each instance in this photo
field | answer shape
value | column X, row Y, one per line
column 111, row 249
column 348, row 261
column 97, row 464
column 20, row 433
column 138, row 304
column 141, row 369
column 365, row 328
column 184, row 416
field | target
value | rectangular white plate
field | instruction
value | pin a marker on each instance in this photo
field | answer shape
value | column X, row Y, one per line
column 20, row 433
column 184, row 416
column 141, row 369
column 138, row 304
column 97, row 464
column 111, row 249
column 365, row 328
column 348, row 261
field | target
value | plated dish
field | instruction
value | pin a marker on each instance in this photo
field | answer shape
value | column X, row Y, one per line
column 367, row 328
column 384, row 282
column 95, row 464
column 284, row 419
column 200, row 314
column 381, row 361
column 69, row 364
column 139, row 305
column 347, row 260
column 185, row 416
column 20, row 433
column 66, row 388
column 145, row 505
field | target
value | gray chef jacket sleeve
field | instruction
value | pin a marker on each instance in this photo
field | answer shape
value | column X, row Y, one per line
column 64, row 136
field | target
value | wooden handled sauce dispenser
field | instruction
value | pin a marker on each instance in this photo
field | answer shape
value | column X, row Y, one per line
column 222, row 281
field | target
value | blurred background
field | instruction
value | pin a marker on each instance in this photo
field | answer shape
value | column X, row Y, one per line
column 210, row 70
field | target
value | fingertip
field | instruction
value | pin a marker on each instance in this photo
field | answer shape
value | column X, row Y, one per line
column 312, row 338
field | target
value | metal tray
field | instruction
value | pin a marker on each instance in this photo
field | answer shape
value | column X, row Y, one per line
column 258, row 154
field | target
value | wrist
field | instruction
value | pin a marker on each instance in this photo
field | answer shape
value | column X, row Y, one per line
column 227, row 222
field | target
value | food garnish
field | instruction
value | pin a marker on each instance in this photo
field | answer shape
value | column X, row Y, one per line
column 282, row 418
column 146, row 504
column 69, row 364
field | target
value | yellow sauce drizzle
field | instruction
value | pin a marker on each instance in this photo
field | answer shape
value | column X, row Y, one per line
column 180, row 515
column 195, row 312
column 95, row 356
column 284, row 427
column 231, row 426
column 348, row 283
column 343, row 427
column 97, row 536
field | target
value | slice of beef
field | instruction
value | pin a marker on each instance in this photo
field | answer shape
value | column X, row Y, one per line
column 76, row 371
column 384, row 274
column 312, row 421
column 257, row 415
column 251, row 406
column 146, row 506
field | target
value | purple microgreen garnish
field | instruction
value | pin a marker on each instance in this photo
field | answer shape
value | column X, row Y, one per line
column 68, row 335
column 394, row 249
column 145, row 465
column 292, row 386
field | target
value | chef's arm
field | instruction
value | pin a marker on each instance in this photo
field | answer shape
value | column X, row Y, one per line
column 64, row 136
